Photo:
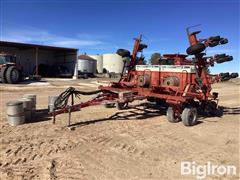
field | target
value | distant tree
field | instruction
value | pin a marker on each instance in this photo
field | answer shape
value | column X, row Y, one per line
column 155, row 58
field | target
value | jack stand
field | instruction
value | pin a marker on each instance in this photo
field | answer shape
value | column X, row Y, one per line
column 54, row 118
column 69, row 116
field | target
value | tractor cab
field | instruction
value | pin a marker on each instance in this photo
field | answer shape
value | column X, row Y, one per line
column 9, row 72
column 7, row 59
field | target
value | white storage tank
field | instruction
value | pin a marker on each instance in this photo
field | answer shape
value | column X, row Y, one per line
column 99, row 59
column 112, row 63
column 86, row 65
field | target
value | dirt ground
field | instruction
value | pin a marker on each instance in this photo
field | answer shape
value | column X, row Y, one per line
column 137, row 143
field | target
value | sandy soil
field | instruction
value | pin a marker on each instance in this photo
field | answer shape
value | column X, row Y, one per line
column 136, row 143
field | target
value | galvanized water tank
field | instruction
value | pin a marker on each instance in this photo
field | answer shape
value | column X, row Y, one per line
column 51, row 101
column 99, row 60
column 113, row 63
column 15, row 113
column 33, row 98
column 27, row 107
column 86, row 64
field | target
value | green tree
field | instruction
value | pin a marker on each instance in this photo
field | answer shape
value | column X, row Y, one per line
column 155, row 58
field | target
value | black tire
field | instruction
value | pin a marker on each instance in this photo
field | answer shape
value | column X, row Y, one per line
column 142, row 46
column 85, row 76
column 12, row 75
column 196, row 49
column 210, row 108
column 220, row 55
column 189, row 116
column 223, row 41
column 215, row 38
column 224, row 74
column 109, row 105
column 121, row 106
column 234, row 75
column 224, row 59
column 123, row 53
column 3, row 74
column 171, row 116
column 226, row 78
column 214, row 43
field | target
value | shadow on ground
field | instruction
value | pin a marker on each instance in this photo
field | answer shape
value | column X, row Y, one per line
column 136, row 112
column 139, row 112
column 40, row 116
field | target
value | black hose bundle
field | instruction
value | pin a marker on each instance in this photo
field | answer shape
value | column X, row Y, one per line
column 62, row 99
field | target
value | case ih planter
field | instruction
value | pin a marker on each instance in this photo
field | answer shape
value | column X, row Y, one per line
column 183, row 84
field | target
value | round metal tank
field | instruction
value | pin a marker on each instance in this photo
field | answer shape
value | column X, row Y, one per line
column 99, row 60
column 51, row 101
column 33, row 98
column 112, row 63
column 87, row 64
column 15, row 113
column 27, row 107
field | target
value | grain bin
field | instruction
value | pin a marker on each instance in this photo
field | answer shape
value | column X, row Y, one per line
column 86, row 65
column 112, row 63
column 15, row 113
column 99, row 60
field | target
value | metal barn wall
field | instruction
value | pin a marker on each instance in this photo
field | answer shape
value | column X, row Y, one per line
column 26, row 58
column 69, row 60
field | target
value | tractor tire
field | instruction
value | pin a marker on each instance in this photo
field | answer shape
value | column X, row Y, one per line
column 171, row 116
column 189, row 116
column 3, row 74
column 123, row 53
column 121, row 106
column 196, row 49
column 12, row 75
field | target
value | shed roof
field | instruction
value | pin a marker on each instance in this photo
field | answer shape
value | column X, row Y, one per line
column 26, row 46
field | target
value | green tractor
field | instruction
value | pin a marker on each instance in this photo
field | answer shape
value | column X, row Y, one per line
column 9, row 72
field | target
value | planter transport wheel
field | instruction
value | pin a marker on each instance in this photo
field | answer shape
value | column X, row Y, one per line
column 189, row 116
column 171, row 116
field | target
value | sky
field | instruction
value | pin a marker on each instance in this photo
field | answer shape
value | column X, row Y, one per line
column 103, row 26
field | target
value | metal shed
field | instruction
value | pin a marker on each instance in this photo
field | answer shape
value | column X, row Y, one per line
column 30, row 56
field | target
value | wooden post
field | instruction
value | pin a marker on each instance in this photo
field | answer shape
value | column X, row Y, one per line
column 36, row 58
